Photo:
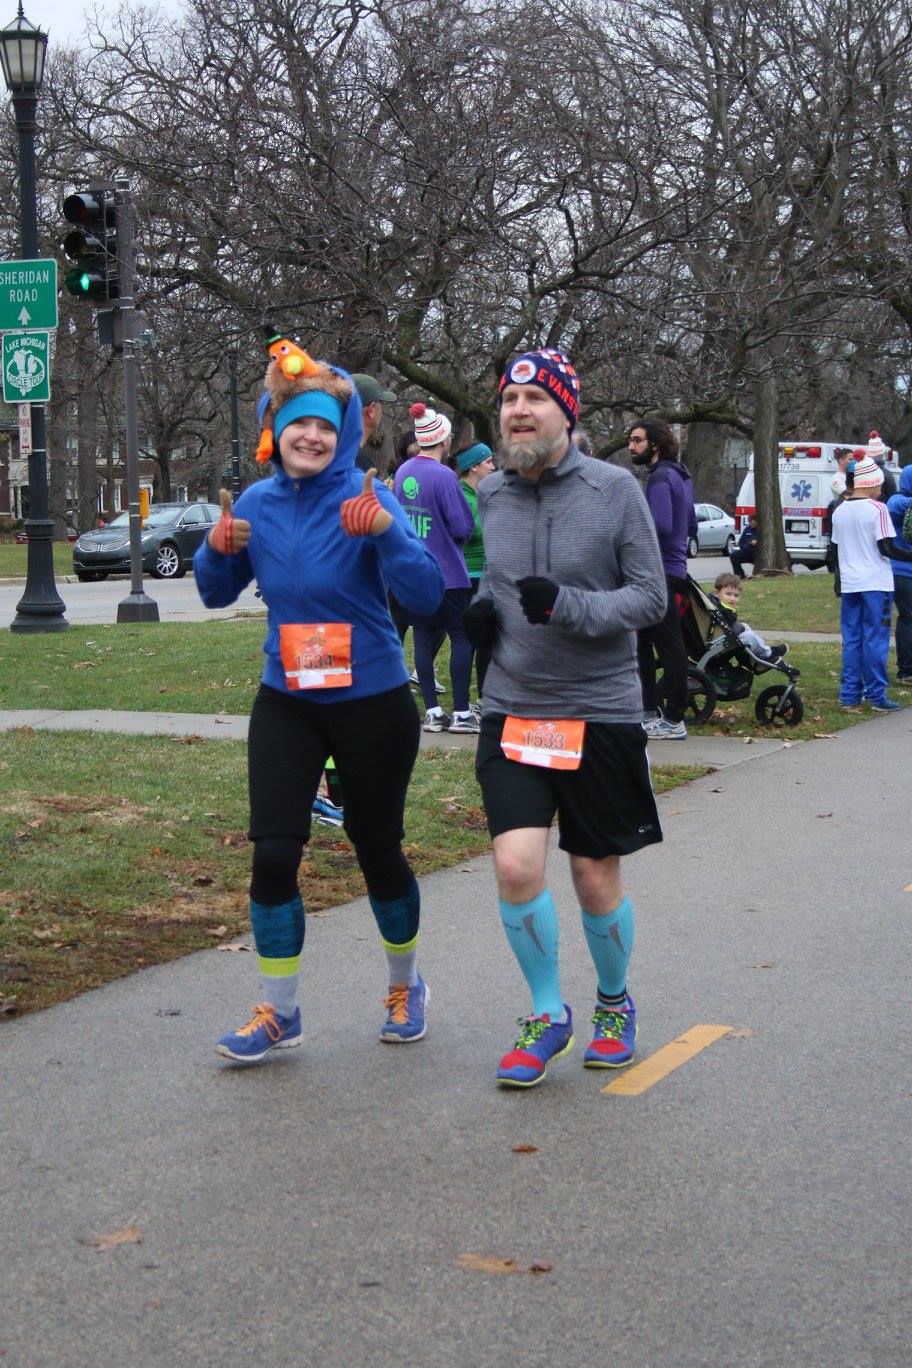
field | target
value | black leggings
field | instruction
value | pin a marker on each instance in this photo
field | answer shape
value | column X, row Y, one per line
column 666, row 640
column 374, row 742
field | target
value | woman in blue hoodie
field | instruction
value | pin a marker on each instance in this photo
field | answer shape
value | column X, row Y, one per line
column 324, row 543
column 897, row 504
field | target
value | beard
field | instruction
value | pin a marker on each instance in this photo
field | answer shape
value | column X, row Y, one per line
column 527, row 455
column 642, row 458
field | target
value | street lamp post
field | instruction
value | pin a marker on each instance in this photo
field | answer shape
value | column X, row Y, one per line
column 234, row 422
column 22, row 50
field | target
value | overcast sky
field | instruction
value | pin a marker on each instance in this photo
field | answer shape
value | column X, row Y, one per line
column 64, row 20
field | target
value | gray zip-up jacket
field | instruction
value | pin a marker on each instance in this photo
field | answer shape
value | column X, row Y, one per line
column 587, row 526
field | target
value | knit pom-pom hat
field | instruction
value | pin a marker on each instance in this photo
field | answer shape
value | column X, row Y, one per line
column 877, row 448
column 867, row 474
column 431, row 427
column 291, row 372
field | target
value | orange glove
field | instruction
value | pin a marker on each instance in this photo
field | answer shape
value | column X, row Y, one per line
column 230, row 534
column 365, row 516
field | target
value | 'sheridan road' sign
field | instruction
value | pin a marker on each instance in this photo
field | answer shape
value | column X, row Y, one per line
column 26, row 368
column 28, row 295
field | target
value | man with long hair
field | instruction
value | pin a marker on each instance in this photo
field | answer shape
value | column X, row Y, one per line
column 669, row 493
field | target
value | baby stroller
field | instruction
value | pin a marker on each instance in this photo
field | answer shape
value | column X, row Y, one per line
column 721, row 667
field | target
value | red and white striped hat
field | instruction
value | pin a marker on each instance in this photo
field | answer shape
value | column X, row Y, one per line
column 877, row 447
column 431, row 427
column 867, row 474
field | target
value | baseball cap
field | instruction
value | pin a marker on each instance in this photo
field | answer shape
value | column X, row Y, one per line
column 371, row 392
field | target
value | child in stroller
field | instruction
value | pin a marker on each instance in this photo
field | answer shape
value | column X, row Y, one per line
column 727, row 656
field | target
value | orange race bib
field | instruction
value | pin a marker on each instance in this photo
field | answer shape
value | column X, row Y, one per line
column 550, row 743
column 316, row 655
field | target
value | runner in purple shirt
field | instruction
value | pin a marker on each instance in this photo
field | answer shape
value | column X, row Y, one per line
column 437, row 509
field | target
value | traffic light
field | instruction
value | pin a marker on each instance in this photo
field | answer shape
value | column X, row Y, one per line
column 91, row 244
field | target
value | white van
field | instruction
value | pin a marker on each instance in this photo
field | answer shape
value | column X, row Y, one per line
column 806, row 471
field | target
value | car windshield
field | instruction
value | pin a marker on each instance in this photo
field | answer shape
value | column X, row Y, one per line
column 156, row 517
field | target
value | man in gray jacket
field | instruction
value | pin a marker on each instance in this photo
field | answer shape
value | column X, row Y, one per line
column 572, row 572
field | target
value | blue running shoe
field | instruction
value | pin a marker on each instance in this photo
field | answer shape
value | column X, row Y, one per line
column 405, row 1013
column 614, row 1041
column 539, row 1041
column 265, row 1031
column 327, row 812
column 886, row 705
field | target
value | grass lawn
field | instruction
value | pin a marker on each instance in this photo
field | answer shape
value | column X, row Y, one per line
column 789, row 603
column 121, row 852
column 14, row 559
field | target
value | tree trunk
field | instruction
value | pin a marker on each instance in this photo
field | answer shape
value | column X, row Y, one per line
column 86, row 457
column 772, row 558
column 58, row 469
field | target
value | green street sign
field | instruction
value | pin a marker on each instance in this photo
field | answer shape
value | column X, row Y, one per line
column 28, row 295
column 26, row 368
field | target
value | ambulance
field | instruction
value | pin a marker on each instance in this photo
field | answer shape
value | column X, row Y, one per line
column 806, row 471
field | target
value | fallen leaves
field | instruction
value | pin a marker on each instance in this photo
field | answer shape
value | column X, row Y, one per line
column 128, row 1234
column 824, row 814
column 764, row 964
column 495, row 1266
column 525, row 1149
column 825, row 736
column 234, row 947
column 216, row 931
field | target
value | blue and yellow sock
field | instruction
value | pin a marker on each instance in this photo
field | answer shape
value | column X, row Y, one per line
column 531, row 929
column 278, row 934
column 397, row 921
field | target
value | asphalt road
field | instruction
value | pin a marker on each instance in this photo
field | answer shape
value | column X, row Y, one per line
column 178, row 600
column 751, row 1208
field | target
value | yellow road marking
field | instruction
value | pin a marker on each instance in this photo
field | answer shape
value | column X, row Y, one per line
column 671, row 1056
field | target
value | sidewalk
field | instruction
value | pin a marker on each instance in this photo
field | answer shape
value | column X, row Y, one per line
column 717, row 752
column 750, row 1208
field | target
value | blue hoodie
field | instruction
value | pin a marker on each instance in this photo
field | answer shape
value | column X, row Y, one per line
column 309, row 570
column 670, row 496
column 896, row 507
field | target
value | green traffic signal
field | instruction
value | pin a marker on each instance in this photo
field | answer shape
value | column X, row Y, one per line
column 91, row 244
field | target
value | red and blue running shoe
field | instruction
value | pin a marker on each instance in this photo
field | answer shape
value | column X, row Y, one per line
column 539, row 1041
column 265, row 1031
column 614, row 1041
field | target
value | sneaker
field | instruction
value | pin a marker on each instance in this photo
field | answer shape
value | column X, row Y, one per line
column 651, row 723
column 405, row 1013
column 614, row 1040
column 663, row 730
column 539, row 1041
column 265, row 1031
column 850, row 707
column 886, row 705
column 327, row 812
column 438, row 687
column 778, row 650
column 465, row 722
column 905, row 680
column 476, row 707
column 436, row 721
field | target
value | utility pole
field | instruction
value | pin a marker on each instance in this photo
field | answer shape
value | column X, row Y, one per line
column 137, row 606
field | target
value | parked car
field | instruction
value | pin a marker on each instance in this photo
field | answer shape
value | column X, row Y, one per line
column 170, row 535
column 715, row 531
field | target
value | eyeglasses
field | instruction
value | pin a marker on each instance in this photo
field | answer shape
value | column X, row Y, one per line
column 637, row 441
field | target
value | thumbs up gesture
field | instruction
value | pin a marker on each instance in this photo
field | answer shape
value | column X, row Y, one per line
column 365, row 516
column 230, row 534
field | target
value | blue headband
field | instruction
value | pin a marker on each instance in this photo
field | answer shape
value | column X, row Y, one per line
column 473, row 456
column 310, row 404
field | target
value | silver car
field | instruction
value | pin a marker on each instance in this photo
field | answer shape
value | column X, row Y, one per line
column 715, row 531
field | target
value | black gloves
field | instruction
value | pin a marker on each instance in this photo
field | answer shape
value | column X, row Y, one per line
column 537, row 597
column 481, row 622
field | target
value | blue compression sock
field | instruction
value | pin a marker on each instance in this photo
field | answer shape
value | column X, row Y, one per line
column 397, row 921
column 531, row 929
column 610, row 941
column 279, row 936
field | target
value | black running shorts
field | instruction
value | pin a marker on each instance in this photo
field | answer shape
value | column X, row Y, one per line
column 606, row 807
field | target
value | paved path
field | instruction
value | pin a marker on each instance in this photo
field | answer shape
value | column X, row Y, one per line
column 715, row 751
column 752, row 1208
